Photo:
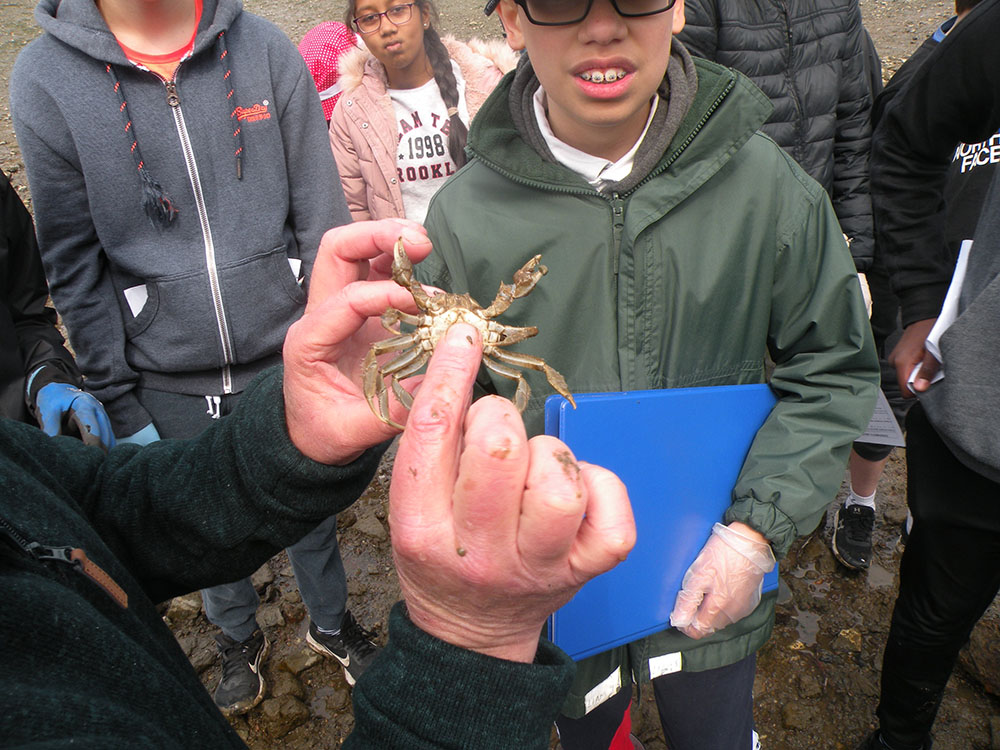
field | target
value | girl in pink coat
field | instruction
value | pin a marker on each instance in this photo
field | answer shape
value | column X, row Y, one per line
column 399, row 129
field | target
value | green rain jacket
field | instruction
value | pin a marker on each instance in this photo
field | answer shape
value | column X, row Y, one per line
column 726, row 253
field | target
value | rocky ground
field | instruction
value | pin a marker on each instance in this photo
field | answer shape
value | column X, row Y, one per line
column 817, row 682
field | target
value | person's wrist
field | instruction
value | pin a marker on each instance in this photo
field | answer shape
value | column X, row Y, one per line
column 513, row 644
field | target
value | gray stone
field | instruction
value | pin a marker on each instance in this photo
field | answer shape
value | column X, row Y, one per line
column 293, row 611
column 285, row 683
column 299, row 661
column 848, row 639
column 371, row 526
column 894, row 515
column 200, row 650
column 263, row 577
column 995, row 733
column 346, row 519
column 809, row 686
column 283, row 714
column 269, row 616
column 339, row 699
column 356, row 588
column 184, row 608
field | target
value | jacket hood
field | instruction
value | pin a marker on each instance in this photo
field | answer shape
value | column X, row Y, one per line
column 727, row 110
column 79, row 24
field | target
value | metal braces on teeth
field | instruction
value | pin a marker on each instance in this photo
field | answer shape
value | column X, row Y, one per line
column 603, row 77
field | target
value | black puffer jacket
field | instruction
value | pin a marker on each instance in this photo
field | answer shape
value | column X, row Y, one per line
column 809, row 57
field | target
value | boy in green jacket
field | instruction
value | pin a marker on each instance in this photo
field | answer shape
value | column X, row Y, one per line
column 683, row 248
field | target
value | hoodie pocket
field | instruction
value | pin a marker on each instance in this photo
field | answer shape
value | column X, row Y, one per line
column 178, row 328
column 175, row 330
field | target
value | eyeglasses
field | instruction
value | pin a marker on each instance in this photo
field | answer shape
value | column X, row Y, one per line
column 566, row 12
column 369, row 23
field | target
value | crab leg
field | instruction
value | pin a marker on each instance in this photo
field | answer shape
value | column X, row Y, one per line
column 392, row 316
column 404, row 398
column 374, row 390
column 523, row 392
column 396, row 342
column 556, row 380
column 525, row 279
column 404, row 360
column 414, row 366
column 402, row 274
column 374, row 380
column 512, row 334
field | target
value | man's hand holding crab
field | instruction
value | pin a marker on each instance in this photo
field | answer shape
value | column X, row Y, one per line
column 328, row 418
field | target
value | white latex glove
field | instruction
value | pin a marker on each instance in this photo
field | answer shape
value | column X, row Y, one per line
column 723, row 584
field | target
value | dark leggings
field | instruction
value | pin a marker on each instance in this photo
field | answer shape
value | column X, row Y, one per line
column 949, row 575
column 698, row 710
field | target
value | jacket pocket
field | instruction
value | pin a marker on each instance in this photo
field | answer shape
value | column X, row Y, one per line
column 262, row 297
column 176, row 328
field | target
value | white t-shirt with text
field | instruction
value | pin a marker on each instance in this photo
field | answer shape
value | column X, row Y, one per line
column 422, row 160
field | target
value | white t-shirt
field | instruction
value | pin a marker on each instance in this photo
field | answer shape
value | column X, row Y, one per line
column 422, row 160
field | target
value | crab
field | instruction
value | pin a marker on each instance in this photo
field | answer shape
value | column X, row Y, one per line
column 437, row 314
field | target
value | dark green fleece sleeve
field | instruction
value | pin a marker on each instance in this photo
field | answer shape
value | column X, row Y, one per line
column 424, row 694
column 186, row 514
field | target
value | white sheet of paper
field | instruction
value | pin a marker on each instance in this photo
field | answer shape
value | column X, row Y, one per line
column 949, row 312
column 136, row 297
column 883, row 429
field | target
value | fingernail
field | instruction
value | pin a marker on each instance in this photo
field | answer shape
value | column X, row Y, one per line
column 460, row 332
column 413, row 237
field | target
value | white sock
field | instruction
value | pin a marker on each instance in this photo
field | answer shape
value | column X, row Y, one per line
column 324, row 631
column 855, row 499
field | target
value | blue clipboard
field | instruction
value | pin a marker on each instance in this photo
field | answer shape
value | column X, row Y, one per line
column 679, row 452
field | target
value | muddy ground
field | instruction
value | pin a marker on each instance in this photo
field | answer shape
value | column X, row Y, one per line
column 817, row 681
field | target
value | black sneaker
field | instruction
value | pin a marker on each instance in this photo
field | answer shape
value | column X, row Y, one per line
column 242, row 684
column 852, row 535
column 353, row 646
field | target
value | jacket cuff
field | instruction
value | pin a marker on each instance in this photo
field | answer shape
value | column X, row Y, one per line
column 422, row 693
column 49, row 372
column 125, row 412
column 921, row 303
column 766, row 518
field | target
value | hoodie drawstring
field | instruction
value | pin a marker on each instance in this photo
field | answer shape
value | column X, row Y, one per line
column 155, row 202
column 227, row 76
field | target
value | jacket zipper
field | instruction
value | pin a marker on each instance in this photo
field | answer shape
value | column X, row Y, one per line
column 617, row 226
column 72, row 556
column 796, row 98
column 174, row 101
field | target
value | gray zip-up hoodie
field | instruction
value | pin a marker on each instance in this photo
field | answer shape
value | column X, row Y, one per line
column 177, row 220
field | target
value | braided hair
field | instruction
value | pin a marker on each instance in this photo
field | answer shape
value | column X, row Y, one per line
column 445, row 77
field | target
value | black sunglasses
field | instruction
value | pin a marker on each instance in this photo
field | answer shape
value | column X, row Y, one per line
column 563, row 13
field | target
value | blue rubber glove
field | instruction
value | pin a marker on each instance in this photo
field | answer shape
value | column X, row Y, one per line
column 145, row 436
column 61, row 406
